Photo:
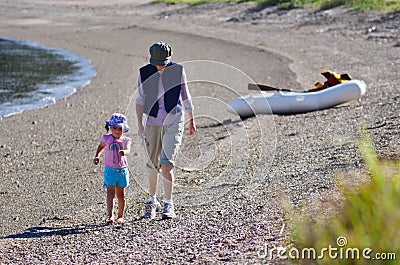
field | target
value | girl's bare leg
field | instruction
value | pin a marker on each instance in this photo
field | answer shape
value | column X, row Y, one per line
column 121, row 203
column 110, row 202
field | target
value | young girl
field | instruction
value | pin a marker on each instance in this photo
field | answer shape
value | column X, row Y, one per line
column 116, row 174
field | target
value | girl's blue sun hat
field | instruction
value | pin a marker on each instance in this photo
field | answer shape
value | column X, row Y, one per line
column 118, row 119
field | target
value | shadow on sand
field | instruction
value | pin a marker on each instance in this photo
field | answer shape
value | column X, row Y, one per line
column 43, row 231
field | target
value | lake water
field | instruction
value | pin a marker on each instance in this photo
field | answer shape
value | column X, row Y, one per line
column 33, row 76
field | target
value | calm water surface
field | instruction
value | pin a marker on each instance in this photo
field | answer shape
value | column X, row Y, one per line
column 33, row 76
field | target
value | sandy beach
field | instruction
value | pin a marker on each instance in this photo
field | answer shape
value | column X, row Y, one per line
column 235, row 175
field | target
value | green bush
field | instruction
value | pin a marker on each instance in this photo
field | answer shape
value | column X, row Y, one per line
column 328, row 4
column 388, row 5
column 367, row 221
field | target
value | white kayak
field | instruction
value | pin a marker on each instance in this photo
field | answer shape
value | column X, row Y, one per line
column 297, row 102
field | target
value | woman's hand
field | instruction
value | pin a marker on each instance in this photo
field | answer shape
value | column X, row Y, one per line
column 192, row 127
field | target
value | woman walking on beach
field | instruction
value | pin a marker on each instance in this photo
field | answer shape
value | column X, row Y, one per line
column 162, row 90
column 116, row 174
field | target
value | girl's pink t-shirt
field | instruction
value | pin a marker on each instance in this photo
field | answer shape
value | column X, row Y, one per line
column 113, row 145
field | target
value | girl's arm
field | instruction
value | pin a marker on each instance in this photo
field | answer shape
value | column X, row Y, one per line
column 127, row 149
column 100, row 149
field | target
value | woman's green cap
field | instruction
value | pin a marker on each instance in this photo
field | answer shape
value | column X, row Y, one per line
column 160, row 53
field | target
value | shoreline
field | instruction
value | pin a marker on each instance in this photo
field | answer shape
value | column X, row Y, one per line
column 50, row 192
column 46, row 94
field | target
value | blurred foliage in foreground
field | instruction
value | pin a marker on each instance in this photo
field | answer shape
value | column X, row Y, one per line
column 366, row 226
column 359, row 5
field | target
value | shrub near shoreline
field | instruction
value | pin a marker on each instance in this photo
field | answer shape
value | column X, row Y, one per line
column 365, row 230
column 359, row 5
